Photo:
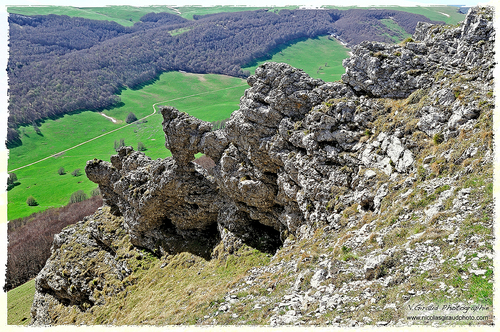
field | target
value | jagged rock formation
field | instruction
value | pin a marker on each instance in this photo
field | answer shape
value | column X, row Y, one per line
column 156, row 196
column 299, row 155
column 392, row 71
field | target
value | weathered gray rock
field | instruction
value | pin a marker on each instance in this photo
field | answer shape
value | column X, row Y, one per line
column 432, row 120
column 385, row 70
column 283, row 150
column 381, row 193
column 63, row 281
column 390, row 71
column 298, row 155
column 318, row 277
column 445, row 97
column 157, row 197
column 183, row 134
column 377, row 266
column 374, row 266
column 461, row 115
column 300, row 279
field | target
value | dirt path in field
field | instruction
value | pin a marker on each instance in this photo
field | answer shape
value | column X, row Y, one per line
column 114, row 130
column 108, row 117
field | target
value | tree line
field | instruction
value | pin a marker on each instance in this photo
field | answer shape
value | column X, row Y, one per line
column 60, row 64
column 30, row 238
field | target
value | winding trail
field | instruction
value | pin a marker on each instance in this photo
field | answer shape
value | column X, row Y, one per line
column 129, row 124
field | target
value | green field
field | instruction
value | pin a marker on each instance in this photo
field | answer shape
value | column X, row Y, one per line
column 435, row 13
column 208, row 97
column 19, row 302
column 319, row 57
column 128, row 15
column 396, row 30
column 189, row 11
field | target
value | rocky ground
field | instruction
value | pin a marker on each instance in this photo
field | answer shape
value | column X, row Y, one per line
column 367, row 196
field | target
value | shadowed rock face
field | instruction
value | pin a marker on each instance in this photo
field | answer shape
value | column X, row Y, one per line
column 156, row 197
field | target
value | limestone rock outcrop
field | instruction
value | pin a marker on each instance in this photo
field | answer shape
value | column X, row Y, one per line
column 291, row 156
column 394, row 71
column 156, row 196
column 299, row 153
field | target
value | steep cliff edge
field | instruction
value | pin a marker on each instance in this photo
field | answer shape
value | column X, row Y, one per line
column 362, row 200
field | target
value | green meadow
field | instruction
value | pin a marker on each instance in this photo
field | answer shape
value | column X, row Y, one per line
column 319, row 57
column 19, row 302
column 208, row 97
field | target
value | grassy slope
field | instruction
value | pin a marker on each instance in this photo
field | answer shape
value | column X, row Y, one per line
column 19, row 302
column 311, row 55
column 38, row 180
column 182, row 292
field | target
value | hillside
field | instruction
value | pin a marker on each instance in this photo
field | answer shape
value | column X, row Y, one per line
column 210, row 97
column 344, row 203
column 55, row 36
column 60, row 64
